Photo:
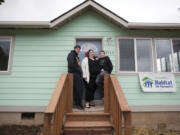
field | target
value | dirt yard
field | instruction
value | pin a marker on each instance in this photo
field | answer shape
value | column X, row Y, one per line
column 36, row 130
column 145, row 131
column 20, row 130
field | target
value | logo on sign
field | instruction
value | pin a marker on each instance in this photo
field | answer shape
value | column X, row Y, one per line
column 163, row 84
column 147, row 82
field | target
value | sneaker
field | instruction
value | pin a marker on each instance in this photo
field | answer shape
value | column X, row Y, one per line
column 80, row 107
column 87, row 105
column 92, row 104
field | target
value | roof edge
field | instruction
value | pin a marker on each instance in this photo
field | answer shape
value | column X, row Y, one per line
column 24, row 24
column 84, row 5
column 153, row 25
column 68, row 11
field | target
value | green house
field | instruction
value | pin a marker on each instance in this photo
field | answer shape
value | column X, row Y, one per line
column 33, row 57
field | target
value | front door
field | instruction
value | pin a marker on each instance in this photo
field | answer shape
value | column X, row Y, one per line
column 86, row 44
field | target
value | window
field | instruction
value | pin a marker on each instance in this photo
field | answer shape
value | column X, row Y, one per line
column 135, row 55
column 5, row 52
column 176, row 54
column 164, row 55
column 144, row 55
column 27, row 116
column 126, row 49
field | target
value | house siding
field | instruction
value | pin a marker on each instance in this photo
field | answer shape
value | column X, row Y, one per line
column 40, row 58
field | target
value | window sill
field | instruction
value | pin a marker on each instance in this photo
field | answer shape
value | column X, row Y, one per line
column 128, row 73
column 137, row 73
column 5, row 72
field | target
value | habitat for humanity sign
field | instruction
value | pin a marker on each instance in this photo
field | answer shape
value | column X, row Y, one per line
column 157, row 82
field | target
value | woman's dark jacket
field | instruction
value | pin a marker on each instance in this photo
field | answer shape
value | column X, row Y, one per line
column 94, row 68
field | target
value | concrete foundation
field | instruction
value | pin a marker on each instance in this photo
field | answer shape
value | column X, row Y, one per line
column 157, row 120
column 15, row 119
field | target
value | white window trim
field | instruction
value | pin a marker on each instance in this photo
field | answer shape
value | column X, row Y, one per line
column 135, row 55
column 154, row 55
column 9, row 70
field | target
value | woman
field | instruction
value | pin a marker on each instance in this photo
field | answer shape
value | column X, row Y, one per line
column 90, row 70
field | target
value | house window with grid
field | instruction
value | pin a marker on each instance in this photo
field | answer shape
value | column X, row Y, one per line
column 135, row 55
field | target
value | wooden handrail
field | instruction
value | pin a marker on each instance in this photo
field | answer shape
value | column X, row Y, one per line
column 61, row 102
column 115, row 103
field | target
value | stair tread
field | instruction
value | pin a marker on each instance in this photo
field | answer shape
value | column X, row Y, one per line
column 87, row 116
column 87, row 113
column 83, row 124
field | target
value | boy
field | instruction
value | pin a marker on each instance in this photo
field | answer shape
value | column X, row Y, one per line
column 106, row 68
column 74, row 67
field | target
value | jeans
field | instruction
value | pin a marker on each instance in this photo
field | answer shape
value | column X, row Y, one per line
column 77, row 89
column 100, row 82
column 90, row 89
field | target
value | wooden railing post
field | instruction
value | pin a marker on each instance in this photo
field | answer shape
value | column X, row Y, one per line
column 56, row 108
column 127, row 123
column 69, row 95
column 118, row 106
column 106, row 92
column 47, row 124
column 119, row 122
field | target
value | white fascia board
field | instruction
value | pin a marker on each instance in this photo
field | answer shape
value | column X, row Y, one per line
column 69, row 14
column 106, row 12
column 154, row 25
column 24, row 24
column 86, row 4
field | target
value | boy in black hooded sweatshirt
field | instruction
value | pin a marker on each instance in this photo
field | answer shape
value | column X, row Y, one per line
column 106, row 68
column 74, row 68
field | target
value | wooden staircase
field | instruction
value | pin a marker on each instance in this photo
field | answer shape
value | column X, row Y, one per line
column 87, row 123
column 59, row 117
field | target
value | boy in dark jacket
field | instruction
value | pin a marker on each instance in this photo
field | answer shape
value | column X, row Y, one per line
column 106, row 68
column 74, row 67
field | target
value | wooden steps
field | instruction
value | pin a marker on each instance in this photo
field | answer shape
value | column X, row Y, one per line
column 92, row 121
column 87, row 123
column 87, row 116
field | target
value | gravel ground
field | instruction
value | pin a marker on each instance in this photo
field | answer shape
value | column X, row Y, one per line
column 19, row 130
column 145, row 131
column 35, row 130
